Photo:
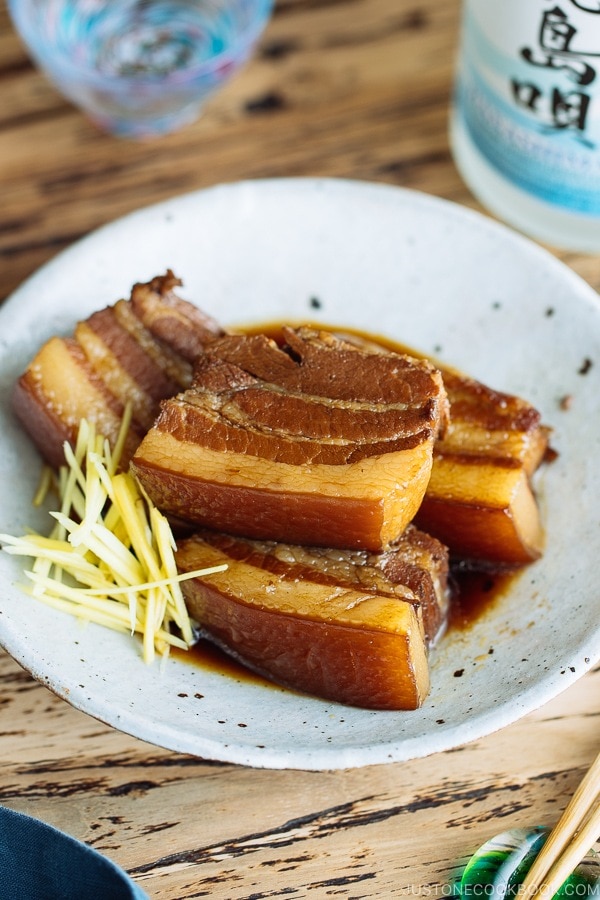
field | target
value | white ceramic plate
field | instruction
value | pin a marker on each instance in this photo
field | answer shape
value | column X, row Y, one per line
column 423, row 271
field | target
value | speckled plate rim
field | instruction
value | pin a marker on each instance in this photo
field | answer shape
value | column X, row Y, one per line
column 421, row 270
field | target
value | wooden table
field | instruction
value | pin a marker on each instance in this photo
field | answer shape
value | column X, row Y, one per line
column 354, row 88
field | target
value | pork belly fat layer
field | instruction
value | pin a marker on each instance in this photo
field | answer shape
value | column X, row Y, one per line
column 319, row 443
column 332, row 640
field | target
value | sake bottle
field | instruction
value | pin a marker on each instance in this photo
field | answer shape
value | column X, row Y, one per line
column 525, row 119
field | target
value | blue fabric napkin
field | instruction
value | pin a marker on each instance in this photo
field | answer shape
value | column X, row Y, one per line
column 39, row 862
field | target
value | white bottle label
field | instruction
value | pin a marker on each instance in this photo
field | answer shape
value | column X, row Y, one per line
column 528, row 93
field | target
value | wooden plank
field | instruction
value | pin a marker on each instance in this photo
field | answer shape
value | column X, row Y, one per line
column 180, row 824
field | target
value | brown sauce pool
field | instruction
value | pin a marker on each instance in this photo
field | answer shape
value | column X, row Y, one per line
column 473, row 592
column 476, row 592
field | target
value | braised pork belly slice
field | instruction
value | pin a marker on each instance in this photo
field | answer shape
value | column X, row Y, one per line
column 180, row 326
column 479, row 500
column 486, row 511
column 137, row 352
column 317, row 442
column 348, row 626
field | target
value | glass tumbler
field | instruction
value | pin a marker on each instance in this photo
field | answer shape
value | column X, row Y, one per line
column 140, row 68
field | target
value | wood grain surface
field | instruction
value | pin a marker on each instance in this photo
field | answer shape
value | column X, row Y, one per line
column 349, row 88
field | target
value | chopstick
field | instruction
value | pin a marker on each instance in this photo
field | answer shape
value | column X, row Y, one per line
column 572, row 837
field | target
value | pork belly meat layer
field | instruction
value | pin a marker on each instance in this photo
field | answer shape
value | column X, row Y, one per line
column 317, row 442
column 348, row 626
column 137, row 352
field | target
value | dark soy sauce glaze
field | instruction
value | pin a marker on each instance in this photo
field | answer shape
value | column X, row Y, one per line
column 473, row 591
